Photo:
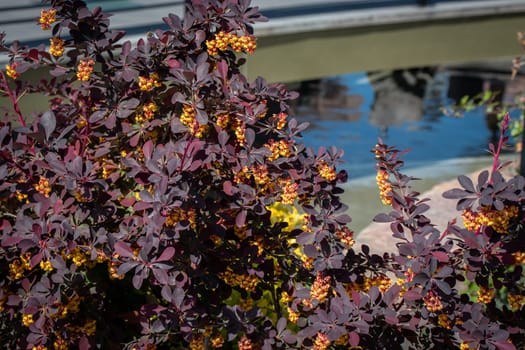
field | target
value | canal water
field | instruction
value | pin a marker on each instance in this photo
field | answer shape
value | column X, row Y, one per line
column 405, row 109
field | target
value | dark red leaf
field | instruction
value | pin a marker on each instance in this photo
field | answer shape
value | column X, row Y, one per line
column 166, row 255
column 240, row 220
column 382, row 217
column 503, row 345
column 353, row 338
column 222, row 68
column 440, row 256
column 412, row 295
column 466, row 183
column 123, row 249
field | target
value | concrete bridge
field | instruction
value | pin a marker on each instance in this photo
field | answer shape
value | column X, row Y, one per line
column 308, row 39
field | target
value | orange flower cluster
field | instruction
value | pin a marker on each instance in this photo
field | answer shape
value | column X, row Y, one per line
column 189, row 119
column 260, row 175
column 43, row 186
column 382, row 282
column 280, row 120
column 444, row 321
column 286, row 298
column 27, row 320
column 108, row 167
column 10, row 70
column 293, row 316
column 217, row 341
column 485, row 295
column 343, row 340
column 246, row 282
column 466, row 346
column 320, row 287
column 345, row 235
column 19, row 266
column 241, row 175
column 433, row 302
column 289, row 193
column 516, row 301
column 326, row 171
column 223, row 120
column 113, row 268
column 148, row 112
column 148, row 84
column 222, row 40
column 80, row 258
column 84, row 70
column 22, row 197
column 278, row 149
column 245, row 343
column 177, row 215
column 519, row 258
column 385, row 187
column 246, row 303
column 72, row 306
column 321, row 342
column 47, row 18
column 240, row 132
column 57, row 46
column 45, row 265
column 197, row 343
column 60, row 344
column 239, row 127
column 497, row 219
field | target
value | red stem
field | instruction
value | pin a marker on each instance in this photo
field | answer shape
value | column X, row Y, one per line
column 503, row 129
column 14, row 102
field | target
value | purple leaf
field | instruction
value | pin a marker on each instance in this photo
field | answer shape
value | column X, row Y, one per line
column 142, row 206
column 353, row 338
column 126, row 267
column 137, row 281
column 281, row 324
column 134, row 140
column 222, row 68
column 382, row 217
column 443, row 286
column 412, row 295
column 503, row 345
column 58, row 71
column 440, row 256
column 147, row 149
column 48, row 122
column 97, row 116
column 123, row 249
column 227, row 187
column 466, row 183
column 240, row 220
column 166, row 255
column 455, row 193
column 343, row 219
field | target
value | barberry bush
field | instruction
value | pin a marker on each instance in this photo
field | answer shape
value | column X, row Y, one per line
column 162, row 200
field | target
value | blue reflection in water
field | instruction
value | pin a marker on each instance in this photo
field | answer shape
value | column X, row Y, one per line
column 431, row 136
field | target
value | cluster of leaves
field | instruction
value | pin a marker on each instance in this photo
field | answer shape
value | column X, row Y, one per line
column 493, row 103
column 150, row 205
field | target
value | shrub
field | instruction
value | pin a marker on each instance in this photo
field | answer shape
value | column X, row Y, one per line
column 163, row 200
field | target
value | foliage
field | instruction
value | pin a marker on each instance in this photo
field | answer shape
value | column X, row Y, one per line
column 148, row 207
column 491, row 101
